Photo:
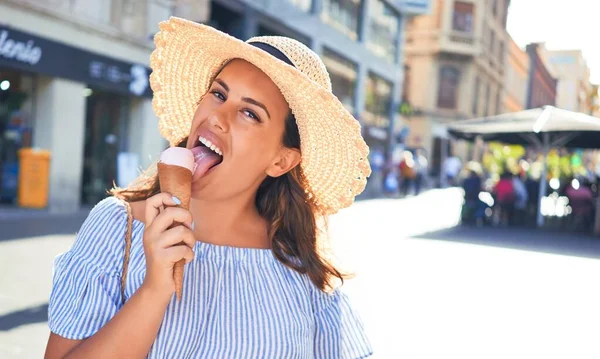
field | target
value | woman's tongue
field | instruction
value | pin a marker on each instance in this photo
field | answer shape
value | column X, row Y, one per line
column 205, row 159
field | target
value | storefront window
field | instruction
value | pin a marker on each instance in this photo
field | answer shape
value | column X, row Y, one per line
column 343, row 74
column 376, row 119
column 16, row 111
column 343, row 15
column 383, row 30
column 106, row 133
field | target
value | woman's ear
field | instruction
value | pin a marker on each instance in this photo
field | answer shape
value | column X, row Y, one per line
column 287, row 159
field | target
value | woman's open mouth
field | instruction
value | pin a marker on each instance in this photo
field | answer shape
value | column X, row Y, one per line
column 206, row 156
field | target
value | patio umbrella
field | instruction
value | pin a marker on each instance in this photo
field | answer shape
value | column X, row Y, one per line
column 544, row 128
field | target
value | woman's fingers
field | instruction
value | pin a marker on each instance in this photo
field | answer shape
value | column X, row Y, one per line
column 177, row 235
column 155, row 204
column 176, row 253
column 170, row 216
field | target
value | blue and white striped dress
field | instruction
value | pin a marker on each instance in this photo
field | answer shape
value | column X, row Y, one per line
column 237, row 302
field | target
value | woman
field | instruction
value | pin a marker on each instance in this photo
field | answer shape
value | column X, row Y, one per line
column 255, row 285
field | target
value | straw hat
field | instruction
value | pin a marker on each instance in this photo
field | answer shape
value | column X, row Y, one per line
column 334, row 155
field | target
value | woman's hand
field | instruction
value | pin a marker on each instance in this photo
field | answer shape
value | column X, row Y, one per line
column 164, row 247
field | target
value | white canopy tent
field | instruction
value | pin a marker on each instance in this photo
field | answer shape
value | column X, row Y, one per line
column 543, row 128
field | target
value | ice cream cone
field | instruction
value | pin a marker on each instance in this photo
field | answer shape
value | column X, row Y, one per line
column 177, row 181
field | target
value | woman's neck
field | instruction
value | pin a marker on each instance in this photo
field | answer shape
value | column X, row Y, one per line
column 230, row 222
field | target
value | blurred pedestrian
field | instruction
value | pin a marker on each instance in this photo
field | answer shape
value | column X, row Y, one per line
column 452, row 167
column 255, row 280
column 473, row 209
column 421, row 170
column 407, row 171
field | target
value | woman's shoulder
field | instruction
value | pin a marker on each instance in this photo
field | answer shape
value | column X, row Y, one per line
column 101, row 238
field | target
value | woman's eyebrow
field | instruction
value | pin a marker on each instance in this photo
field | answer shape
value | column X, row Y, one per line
column 256, row 103
column 222, row 83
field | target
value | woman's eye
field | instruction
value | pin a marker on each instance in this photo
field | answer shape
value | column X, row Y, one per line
column 218, row 95
column 252, row 115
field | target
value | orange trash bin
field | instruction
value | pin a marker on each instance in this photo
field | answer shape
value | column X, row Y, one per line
column 34, row 178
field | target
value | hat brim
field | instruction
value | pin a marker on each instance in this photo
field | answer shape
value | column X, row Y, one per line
column 186, row 58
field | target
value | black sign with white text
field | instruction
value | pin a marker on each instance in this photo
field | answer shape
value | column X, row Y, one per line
column 20, row 50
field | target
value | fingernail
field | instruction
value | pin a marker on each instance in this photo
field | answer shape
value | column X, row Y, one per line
column 193, row 225
column 176, row 200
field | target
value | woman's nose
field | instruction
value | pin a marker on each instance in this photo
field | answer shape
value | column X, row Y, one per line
column 220, row 119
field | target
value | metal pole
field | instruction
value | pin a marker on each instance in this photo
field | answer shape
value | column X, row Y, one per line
column 543, row 180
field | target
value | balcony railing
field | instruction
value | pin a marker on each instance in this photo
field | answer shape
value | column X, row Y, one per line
column 460, row 37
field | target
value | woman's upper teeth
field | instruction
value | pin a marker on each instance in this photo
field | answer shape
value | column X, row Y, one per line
column 209, row 144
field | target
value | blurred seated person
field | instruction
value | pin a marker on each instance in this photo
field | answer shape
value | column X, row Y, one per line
column 532, row 184
column 521, row 196
column 581, row 200
column 472, row 184
column 504, row 192
column 474, row 208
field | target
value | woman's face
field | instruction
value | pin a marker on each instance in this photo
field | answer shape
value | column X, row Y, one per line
column 243, row 114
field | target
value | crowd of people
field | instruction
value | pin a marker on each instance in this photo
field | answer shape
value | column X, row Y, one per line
column 514, row 199
column 508, row 198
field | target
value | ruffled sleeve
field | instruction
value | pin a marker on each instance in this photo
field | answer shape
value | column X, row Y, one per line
column 86, row 290
column 339, row 330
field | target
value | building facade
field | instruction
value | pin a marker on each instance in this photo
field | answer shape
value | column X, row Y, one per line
column 516, row 80
column 76, row 77
column 456, row 59
column 574, row 90
column 541, row 87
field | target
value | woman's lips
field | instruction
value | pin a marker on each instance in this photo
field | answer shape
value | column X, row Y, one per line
column 204, row 159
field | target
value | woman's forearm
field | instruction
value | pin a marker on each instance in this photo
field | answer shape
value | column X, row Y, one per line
column 130, row 333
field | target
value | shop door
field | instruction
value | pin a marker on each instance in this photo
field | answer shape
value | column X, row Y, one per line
column 105, row 136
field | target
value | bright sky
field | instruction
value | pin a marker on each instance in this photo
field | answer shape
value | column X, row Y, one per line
column 568, row 25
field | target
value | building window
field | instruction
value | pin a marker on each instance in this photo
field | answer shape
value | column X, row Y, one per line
column 495, row 7
column 492, row 41
column 462, row 18
column 501, row 52
column 303, row 5
column 448, row 87
column 376, row 118
column 475, row 108
column 384, row 23
column 488, row 94
column 499, row 109
column 378, row 101
column 343, row 74
column 342, row 15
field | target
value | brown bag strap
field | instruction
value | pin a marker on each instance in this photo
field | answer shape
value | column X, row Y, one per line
column 127, row 248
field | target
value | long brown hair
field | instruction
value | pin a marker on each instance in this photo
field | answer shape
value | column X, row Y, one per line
column 290, row 214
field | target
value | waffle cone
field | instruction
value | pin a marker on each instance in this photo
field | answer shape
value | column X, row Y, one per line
column 176, row 181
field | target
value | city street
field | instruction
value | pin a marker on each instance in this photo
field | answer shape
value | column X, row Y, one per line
column 424, row 287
